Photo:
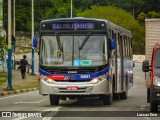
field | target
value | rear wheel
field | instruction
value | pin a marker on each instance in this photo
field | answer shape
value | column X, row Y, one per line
column 54, row 99
column 116, row 96
column 153, row 106
column 124, row 94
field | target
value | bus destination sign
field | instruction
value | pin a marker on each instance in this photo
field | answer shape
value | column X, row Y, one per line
column 72, row 26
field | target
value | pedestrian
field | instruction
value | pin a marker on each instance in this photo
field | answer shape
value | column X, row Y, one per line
column 23, row 64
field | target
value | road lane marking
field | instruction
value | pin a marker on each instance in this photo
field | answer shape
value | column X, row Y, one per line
column 33, row 102
column 20, row 118
column 55, row 112
column 146, row 118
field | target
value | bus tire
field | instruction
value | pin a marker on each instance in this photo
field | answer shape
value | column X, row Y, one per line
column 107, row 99
column 116, row 96
column 153, row 106
column 54, row 99
column 124, row 95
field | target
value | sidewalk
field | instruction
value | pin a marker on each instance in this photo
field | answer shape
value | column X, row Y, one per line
column 19, row 85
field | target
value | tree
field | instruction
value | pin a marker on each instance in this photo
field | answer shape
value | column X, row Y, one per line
column 3, row 43
column 3, row 47
column 121, row 18
column 150, row 14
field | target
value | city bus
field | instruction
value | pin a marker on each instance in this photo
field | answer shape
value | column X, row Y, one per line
column 84, row 57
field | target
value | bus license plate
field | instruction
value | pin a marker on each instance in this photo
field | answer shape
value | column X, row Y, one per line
column 72, row 88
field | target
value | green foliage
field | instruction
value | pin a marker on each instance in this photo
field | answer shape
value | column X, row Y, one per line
column 121, row 18
column 3, row 46
column 50, row 9
column 3, row 43
column 151, row 14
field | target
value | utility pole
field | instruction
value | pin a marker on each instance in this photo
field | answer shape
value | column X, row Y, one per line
column 9, row 48
column 71, row 9
column 32, row 37
column 14, row 24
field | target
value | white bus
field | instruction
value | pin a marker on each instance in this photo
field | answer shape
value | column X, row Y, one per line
column 84, row 57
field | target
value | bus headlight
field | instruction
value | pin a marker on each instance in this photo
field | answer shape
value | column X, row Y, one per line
column 48, row 80
column 156, row 81
column 130, row 72
column 97, row 80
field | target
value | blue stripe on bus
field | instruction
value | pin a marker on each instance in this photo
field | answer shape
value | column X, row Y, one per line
column 77, row 76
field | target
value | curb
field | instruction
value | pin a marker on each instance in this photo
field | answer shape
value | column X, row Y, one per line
column 17, row 91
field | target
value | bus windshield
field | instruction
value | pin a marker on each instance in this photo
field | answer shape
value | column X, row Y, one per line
column 64, row 51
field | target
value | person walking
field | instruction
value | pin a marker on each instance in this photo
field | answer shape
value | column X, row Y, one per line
column 23, row 64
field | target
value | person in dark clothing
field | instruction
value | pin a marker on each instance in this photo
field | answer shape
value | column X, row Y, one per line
column 23, row 64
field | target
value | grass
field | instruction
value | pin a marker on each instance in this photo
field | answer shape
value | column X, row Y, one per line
column 33, row 84
column 3, row 77
column 2, row 81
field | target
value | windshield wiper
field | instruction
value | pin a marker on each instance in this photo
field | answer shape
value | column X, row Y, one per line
column 85, row 40
column 60, row 47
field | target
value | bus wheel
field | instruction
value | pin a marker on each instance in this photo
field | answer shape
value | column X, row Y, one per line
column 107, row 99
column 153, row 106
column 116, row 96
column 54, row 99
column 124, row 95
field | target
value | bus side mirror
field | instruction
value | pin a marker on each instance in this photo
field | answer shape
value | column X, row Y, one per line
column 112, row 43
column 146, row 66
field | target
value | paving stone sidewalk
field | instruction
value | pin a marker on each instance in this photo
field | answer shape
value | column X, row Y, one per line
column 19, row 85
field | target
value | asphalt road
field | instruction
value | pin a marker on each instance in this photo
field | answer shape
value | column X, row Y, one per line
column 32, row 101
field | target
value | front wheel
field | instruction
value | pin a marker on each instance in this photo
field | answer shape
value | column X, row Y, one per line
column 54, row 99
column 153, row 106
column 107, row 99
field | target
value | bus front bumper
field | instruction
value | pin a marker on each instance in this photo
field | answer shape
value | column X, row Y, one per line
column 83, row 88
